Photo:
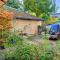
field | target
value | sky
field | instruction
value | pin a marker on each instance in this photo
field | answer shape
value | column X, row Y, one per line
column 58, row 5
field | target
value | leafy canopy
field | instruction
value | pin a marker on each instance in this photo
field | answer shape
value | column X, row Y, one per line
column 13, row 3
column 42, row 8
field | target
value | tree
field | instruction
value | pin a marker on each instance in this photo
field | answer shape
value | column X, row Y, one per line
column 42, row 8
column 51, row 20
column 13, row 3
column 5, row 18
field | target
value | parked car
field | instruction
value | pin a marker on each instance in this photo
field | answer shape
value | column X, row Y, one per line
column 54, row 32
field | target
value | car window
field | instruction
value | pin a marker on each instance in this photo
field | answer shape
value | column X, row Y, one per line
column 54, row 28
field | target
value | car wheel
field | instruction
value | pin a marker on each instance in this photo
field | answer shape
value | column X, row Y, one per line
column 55, row 39
column 50, row 38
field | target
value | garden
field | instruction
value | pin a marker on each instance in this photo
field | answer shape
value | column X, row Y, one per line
column 19, row 48
column 15, row 46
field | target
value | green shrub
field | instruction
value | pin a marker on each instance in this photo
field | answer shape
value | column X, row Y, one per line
column 13, row 39
column 27, row 51
column 31, row 52
column 47, row 55
column 22, row 52
column 46, row 52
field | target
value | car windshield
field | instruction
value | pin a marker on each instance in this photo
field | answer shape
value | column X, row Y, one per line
column 54, row 28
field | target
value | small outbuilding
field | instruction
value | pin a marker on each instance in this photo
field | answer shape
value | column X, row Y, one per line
column 25, row 23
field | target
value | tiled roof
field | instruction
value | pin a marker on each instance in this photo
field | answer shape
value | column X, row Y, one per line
column 26, row 16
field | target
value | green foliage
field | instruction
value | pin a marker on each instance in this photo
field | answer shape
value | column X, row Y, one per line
column 31, row 52
column 13, row 40
column 13, row 3
column 4, row 34
column 46, row 53
column 39, row 7
column 51, row 20
column 22, row 52
column 26, row 52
